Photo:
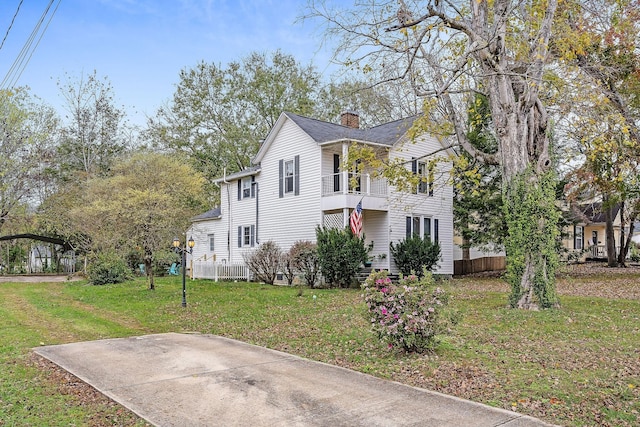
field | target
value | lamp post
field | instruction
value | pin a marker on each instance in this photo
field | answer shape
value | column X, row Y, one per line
column 183, row 252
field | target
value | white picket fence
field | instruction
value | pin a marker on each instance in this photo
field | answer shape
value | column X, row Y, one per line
column 219, row 271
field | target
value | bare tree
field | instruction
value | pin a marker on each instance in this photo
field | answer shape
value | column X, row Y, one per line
column 449, row 50
column 94, row 132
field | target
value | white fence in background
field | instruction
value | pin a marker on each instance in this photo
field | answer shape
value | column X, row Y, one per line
column 220, row 271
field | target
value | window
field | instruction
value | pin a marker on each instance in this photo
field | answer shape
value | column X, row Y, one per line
column 246, row 235
column 289, row 176
column 429, row 227
column 246, row 188
column 211, row 242
column 578, row 237
column 426, row 173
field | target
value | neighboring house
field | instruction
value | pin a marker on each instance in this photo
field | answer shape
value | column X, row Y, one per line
column 298, row 183
column 41, row 260
column 587, row 235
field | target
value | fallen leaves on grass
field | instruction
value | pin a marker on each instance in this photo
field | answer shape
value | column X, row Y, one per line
column 107, row 413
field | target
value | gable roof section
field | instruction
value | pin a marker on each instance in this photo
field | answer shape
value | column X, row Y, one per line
column 324, row 132
column 591, row 213
column 214, row 213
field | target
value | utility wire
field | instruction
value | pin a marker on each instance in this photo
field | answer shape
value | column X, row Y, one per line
column 20, row 63
column 11, row 24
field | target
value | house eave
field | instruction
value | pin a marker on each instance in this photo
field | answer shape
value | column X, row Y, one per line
column 355, row 141
column 237, row 175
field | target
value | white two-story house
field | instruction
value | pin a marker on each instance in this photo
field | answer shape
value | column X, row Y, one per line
column 298, row 182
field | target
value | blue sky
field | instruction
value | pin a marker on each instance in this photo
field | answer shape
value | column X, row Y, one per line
column 141, row 45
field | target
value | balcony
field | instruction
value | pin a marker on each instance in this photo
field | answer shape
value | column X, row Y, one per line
column 357, row 184
column 344, row 190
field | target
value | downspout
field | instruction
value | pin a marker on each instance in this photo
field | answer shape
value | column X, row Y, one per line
column 257, row 216
column 224, row 180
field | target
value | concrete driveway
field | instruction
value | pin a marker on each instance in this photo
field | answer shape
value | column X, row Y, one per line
column 204, row 380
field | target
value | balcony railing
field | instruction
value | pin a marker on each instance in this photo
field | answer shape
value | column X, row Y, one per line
column 350, row 183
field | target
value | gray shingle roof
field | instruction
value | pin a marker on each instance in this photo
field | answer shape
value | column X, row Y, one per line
column 212, row 214
column 591, row 213
column 386, row 134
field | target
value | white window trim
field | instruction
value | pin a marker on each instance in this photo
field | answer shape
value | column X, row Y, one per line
column 432, row 226
column 246, row 187
column 425, row 170
column 289, row 178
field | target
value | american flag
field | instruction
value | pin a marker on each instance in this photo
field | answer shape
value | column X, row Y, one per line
column 355, row 220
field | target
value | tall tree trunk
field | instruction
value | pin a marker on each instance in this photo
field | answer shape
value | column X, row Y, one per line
column 466, row 252
column 610, row 238
column 531, row 215
column 624, row 248
column 148, row 266
column 621, row 252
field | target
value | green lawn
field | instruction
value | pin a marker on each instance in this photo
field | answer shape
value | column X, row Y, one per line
column 574, row 366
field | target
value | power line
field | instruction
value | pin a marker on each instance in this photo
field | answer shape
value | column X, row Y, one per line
column 20, row 63
column 11, row 24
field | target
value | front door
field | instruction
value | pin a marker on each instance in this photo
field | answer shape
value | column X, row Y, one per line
column 336, row 173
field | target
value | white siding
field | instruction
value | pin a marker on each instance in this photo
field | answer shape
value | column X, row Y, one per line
column 376, row 230
column 293, row 217
column 439, row 206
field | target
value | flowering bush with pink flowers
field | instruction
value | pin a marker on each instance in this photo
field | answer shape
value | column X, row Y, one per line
column 408, row 315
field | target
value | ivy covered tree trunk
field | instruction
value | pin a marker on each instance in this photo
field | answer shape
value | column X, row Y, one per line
column 531, row 215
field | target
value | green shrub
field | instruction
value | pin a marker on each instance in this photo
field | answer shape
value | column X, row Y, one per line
column 340, row 254
column 409, row 315
column 108, row 267
column 414, row 255
column 634, row 253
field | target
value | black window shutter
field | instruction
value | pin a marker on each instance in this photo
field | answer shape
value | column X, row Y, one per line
column 414, row 170
column 409, row 226
column 281, row 178
column 239, row 189
column 253, row 187
column 575, row 237
column 253, row 235
column 239, row 237
column 296, row 175
column 435, row 231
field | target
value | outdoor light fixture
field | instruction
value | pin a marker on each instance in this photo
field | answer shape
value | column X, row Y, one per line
column 188, row 249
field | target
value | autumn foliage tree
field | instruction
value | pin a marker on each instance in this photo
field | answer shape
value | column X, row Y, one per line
column 146, row 200
column 604, row 122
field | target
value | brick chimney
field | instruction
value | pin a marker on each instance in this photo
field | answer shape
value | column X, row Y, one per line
column 350, row 119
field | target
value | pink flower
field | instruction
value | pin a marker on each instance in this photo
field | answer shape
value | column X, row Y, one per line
column 383, row 310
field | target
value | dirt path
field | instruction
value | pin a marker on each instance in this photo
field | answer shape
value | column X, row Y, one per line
column 39, row 279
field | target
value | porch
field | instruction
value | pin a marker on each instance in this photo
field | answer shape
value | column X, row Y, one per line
column 597, row 252
column 344, row 190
